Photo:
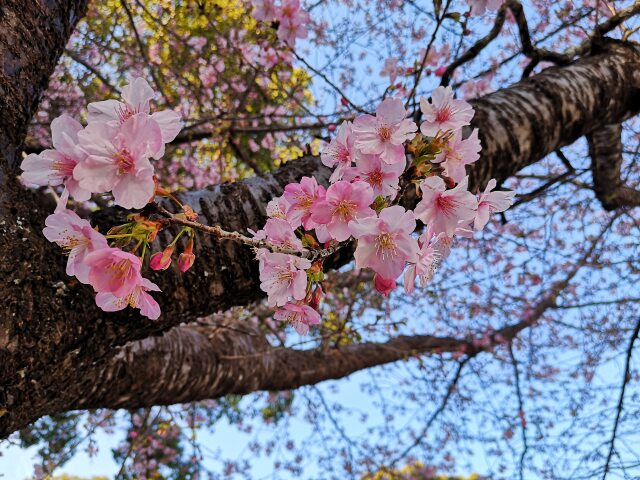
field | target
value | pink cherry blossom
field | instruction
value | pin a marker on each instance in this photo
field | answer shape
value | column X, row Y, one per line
column 136, row 95
column 429, row 258
column 444, row 112
column 118, row 159
column 300, row 316
column 278, row 208
column 478, row 7
column 390, row 69
column 293, row 21
column 385, row 133
column 443, row 209
column 457, row 153
column 491, row 202
column 282, row 277
column 344, row 202
column 55, row 167
column 341, row 152
column 73, row 233
column 114, row 271
column 382, row 177
column 264, row 10
column 384, row 285
column 301, row 196
column 280, row 232
column 138, row 298
column 385, row 244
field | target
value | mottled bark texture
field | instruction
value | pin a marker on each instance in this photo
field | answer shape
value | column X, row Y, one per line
column 54, row 342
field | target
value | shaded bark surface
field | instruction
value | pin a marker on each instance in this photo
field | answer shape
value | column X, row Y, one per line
column 55, row 343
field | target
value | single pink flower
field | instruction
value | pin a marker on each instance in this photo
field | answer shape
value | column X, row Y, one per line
column 278, row 208
column 74, row 234
column 300, row 316
column 114, row 271
column 343, row 202
column 385, row 133
column 491, row 202
column 137, row 298
column 280, row 232
column 384, row 285
column 391, row 69
column 282, row 277
column 385, row 244
column 55, row 167
column 457, row 153
column 382, row 177
column 341, row 152
column 118, row 160
column 264, row 10
column 136, row 95
column 478, row 7
column 293, row 21
column 444, row 112
column 428, row 260
column 301, row 196
column 443, row 209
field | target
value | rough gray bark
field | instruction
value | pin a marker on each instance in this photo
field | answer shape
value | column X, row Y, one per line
column 53, row 340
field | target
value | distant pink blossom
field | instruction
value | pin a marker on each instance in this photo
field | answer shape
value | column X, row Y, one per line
column 293, row 21
column 136, row 95
column 301, row 197
column 343, row 202
column 444, row 112
column 457, row 153
column 478, row 7
column 385, row 133
column 341, row 152
column 118, row 159
column 137, row 298
column 114, row 271
column 282, row 277
column 74, row 234
column 382, row 177
column 264, row 10
column 300, row 316
column 491, row 202
column 385, row 244
column 443, row 209
column 55, row 167
column 390, row 69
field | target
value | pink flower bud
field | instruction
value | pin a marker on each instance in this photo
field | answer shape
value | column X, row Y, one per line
column 332, row 127
column 440, row 71
column 162, row 260
column 384, row 285
column 186, row 259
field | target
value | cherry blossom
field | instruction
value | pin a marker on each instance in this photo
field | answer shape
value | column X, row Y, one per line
column 278, row 207
column 444, row 112
column 293, row 22
column 384, row 285
column 300, row 316
column 264, row 10
column 478, row 7
column 491, row 202
column 443, row 209
column 457, row 153
column 282, row 277
column 55, row 166
column 113, row 270
column 161, row 260
column 301, row 196
column 344, row 202
column 187, row 257
column 428, row 260
column 118, row 159
column 382, row 177
column 341, row 152
column 390, row 69
column 137, row 298
column 77, row 236
column 385, row 244
column 385, row 133
column 280, row 232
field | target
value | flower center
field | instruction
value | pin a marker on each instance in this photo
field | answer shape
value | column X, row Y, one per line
column 304, row 201
column 375, row 178
column 120, row 269
column 444, row 115
column 125, row 112
column 285, row 276
column 446, row 204
column 385, row 246
column 124, row 161
column 64, row 167
column 345, row 210
column 384, row 133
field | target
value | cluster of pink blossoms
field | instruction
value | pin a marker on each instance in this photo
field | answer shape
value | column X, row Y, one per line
column 112, row 153
column 369, row 161
column 292, row 20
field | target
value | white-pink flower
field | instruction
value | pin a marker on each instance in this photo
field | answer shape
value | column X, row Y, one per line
column 478, row 7
column 341, row 152
column 74, row 234
column 138, row 298
column 491, row 202
column 293, row 21
column 429, row 258
column 277, row 208
column 114, row 271
column 385, row 244
column 444, row 112
column 282, row 276
column 264, row 10
column 385, row 133
column 300, row 316
column 343, row 202
column 457, row 153
column 136, row 95
column 382, row 177
column 301, row 196
column 118, row 159
column 55, row 167
column 280, row 232
column 390, row 69
column 443, row 209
